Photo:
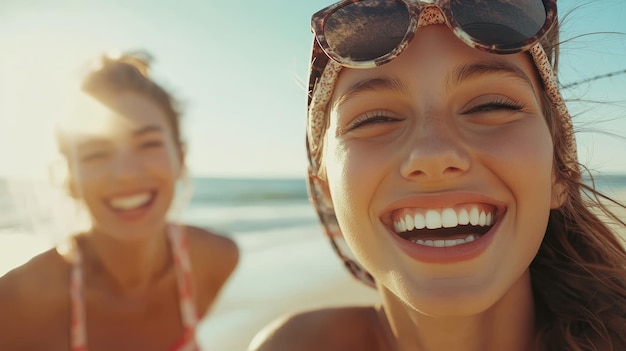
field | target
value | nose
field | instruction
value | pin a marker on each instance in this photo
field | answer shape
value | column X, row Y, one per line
column 436, row 151
column 126, row 166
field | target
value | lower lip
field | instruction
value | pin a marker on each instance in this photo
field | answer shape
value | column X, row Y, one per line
column 136, row 214
column 443, row 255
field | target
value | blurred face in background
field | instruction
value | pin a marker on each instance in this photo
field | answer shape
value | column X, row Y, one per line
column 124, row 164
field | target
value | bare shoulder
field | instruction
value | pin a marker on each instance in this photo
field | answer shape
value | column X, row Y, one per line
column 347, row 328
column 213, row 260
column 42, row 274
column 209, row 247
column 33, row 297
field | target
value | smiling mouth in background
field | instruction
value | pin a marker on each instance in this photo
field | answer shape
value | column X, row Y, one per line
column 444, row 227
column 131, row 202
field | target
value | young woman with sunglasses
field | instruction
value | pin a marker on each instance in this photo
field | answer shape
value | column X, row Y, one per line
column 443, row 167
column 134, row 280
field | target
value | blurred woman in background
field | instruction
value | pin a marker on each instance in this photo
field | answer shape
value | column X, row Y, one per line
column 134, row 280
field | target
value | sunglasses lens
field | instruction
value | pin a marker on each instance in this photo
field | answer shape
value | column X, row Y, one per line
column 504, row 23
column 367, row 30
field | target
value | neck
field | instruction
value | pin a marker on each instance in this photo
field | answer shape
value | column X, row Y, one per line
column 126, row 267
column 507, row 325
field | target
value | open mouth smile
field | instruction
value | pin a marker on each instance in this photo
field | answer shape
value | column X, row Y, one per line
column 444, row 227
column 131, row 202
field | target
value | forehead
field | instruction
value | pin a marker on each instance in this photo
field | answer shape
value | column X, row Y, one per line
column 115, row 116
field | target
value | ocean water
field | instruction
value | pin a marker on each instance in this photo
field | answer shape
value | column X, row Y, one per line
column 249, row 205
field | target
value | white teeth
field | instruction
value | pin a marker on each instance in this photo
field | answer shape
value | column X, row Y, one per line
column 400, row 226
column 433, row 219
column 409, row 222
column 445, row 243
column 130, row 202
column 464, row 217
column 444, row 218
column 449, row 218
column 420, row 221
column 473, row 216
column 451, row 243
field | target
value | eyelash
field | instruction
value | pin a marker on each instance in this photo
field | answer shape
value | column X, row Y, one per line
column 375, row 117
column 497, row 104
column 372, row 117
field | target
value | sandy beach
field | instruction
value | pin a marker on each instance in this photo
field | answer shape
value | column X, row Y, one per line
column 295, row 273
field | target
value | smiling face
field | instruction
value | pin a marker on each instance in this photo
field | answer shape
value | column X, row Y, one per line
column 439, row 165
column 124, row 165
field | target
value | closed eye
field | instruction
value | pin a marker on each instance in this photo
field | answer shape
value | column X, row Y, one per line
column 496, row 105
column 151, row 144
column 373, row 118
column 94, row 156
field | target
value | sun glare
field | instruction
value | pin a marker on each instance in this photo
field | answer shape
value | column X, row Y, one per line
column 39, row 61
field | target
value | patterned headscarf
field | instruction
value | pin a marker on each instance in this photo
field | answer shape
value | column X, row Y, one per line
column 322, row 79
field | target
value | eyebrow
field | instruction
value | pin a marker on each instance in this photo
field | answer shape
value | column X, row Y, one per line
column 148, row 129
column 375, row 84
column 460, row 74
column 475, row 70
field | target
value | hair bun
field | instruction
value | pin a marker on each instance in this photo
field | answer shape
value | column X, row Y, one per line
column 138, row 59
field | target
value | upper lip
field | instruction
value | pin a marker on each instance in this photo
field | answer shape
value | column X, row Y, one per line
column 439, row 201
column 130, row 193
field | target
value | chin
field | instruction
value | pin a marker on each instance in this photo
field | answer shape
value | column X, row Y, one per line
column 446, row 300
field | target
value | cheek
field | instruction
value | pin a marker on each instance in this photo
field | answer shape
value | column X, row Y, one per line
column 86, row 178
column 524, row 164
column 337, row 173
column 352, row 178
column 165, row 161
column 521, row 153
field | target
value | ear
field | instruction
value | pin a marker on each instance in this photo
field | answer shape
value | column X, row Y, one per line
column 559, row 193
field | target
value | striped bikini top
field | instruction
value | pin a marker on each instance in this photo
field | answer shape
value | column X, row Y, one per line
column 184, row 279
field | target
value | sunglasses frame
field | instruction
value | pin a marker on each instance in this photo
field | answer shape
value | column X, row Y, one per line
column 414, row 7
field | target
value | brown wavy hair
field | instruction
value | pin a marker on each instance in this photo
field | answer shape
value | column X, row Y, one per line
column 579, row 273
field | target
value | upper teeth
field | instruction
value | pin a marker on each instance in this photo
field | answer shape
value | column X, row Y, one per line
column 130, row 202
column 443, row 218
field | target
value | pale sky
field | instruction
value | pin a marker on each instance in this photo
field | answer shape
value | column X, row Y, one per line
column 240, row 67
